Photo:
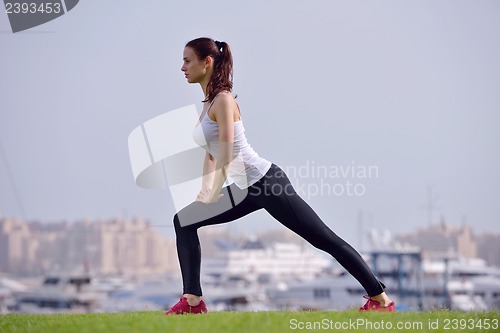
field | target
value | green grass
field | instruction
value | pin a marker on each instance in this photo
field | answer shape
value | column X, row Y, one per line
column 260, row 322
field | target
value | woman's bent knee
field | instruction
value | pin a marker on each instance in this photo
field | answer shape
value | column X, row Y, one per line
column 176, row 221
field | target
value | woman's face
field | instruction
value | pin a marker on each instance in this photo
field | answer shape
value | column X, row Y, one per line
column 194, row 69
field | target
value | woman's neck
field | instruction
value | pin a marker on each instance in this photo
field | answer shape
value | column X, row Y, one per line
column 204, row 88
column 204, row 82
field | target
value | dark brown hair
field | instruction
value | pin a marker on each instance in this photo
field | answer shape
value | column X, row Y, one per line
column 222, row 76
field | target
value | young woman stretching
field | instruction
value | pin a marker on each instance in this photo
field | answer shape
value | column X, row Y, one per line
column 253, row 183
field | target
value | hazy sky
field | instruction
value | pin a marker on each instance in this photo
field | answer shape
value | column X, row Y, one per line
column 410, row 87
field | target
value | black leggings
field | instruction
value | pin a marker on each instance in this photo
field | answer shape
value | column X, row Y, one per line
column 275, row 194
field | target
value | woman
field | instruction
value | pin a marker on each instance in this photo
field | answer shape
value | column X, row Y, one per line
column 256, row 183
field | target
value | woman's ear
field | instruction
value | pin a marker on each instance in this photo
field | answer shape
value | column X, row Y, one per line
column 209, row 61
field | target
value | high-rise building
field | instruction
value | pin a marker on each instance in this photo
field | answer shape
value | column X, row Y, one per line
column 114, row 246
column 443, row 240
column 17, row 247
column 488, row 248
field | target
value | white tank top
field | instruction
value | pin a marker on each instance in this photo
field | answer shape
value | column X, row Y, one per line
column 247, row 166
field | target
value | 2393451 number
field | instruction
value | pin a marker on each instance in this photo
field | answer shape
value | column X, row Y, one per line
column 32, row 8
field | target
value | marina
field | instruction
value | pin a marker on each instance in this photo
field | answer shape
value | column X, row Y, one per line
column 299, row 279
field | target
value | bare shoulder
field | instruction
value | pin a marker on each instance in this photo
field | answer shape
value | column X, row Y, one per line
column 224, row 105
column 224, row 99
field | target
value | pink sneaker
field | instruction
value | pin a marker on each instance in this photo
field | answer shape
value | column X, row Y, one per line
column 183, row 307
column 373, row 305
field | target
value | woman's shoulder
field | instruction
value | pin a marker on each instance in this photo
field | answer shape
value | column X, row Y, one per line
column 224, row 98
column 225, row 95
column 224, row 103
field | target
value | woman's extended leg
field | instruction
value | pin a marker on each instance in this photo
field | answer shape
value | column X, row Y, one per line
column 275, row 193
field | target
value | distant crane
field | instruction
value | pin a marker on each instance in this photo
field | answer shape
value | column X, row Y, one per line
column 431, row 205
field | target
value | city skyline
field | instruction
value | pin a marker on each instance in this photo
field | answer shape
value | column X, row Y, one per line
column 133, row 246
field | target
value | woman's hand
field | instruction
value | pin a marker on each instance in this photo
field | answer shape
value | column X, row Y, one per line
column 206, row 196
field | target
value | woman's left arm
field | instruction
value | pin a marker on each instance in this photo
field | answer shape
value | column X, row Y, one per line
column 223, row 109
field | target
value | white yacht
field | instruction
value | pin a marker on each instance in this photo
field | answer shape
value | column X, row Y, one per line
column 61, row 292
column 463, row 285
